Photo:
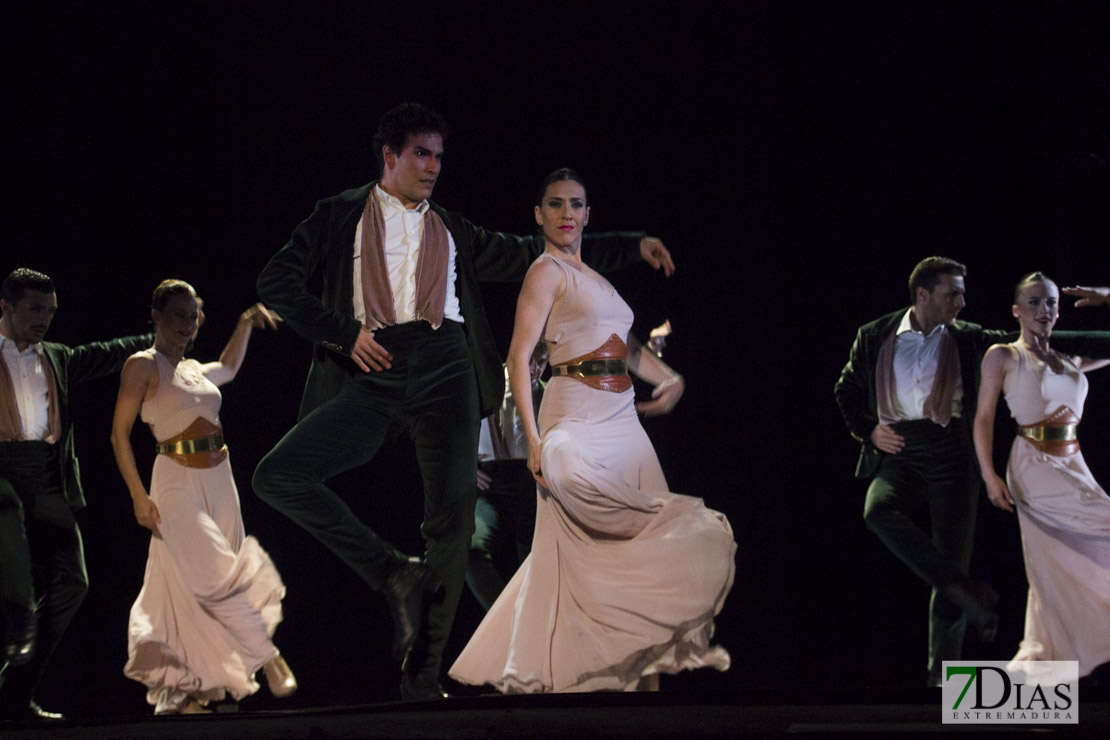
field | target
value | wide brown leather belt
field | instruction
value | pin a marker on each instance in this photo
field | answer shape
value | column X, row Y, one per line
column 603, row 369
column 189, row 446
column 592, row 368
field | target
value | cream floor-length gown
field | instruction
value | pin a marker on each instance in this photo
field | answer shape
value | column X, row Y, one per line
column 211, row 597
column 1065, row 526
column 625, row 577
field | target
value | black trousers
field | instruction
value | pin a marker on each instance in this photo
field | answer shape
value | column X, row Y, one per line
column 431, row 392
column 42, row 561
column 937, row 470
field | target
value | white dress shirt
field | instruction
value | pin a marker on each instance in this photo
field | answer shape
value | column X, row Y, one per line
column 29, row 383
column 915, row 369
column 403, row 231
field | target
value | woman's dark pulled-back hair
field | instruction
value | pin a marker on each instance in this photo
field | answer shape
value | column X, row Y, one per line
column 1030, row 279
column 559, row 175
column 168, row 289
column 407, row 118
column 21, row 279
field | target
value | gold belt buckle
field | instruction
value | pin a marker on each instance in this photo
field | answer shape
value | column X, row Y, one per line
column 592, row 368
column 1034, row 433
column 189, row 446
column 1049, row 433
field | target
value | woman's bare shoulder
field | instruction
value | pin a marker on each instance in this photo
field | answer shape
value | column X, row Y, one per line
column 1000, row 356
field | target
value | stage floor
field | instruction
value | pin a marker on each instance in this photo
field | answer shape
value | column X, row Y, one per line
column 847, row 713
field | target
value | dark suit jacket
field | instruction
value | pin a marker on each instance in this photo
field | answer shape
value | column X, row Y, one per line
column 322, row 246
column 855, row 389
column 73, row 366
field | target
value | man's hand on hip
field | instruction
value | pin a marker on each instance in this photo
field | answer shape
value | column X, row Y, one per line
column 887, row 440
column 368, row 354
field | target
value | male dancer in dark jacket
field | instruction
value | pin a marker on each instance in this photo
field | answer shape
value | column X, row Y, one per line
column 42, row 563
column 396, row 355
column 919, row 452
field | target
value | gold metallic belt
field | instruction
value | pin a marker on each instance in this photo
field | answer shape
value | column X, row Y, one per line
column 189, row 446
column 1064, row 433
column 591, row 368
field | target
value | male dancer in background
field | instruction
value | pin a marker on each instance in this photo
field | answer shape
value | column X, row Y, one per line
column 505, row 512
column 42, row 563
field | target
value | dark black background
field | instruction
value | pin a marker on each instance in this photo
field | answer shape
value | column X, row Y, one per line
column 797, row 157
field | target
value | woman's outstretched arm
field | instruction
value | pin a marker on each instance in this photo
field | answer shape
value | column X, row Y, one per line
column 1090, row 296
column 227, row 367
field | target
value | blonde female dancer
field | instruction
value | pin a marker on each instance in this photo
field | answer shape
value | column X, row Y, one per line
column 1063, row 512
column 202, row 624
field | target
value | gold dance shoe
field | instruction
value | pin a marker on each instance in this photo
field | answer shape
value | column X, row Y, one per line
column 279, row 677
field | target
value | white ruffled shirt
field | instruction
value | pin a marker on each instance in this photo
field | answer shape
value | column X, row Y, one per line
column 29, row 384
column 915, row 368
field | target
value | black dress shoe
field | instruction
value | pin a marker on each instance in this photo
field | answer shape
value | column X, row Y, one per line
column 417, row 688
column 30, row 713
column 19, row 646
column 406, row 593
column 977, row 599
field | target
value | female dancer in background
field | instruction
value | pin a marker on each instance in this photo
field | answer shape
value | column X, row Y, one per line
column 1064, row 514
column 624, row 577
column 211, row 598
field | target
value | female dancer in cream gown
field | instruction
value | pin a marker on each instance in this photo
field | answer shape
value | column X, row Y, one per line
column 202, row 624
column 624, row 578
column 1063, row 512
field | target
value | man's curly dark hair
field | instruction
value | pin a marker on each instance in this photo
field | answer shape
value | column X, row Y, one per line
column 406, row 118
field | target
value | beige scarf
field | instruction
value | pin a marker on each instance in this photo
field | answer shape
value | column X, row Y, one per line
column 11, row 428
column 938, row 406
column 431, row 269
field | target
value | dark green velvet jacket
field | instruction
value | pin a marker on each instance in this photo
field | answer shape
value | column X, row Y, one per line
column 855, row 389
column 73, row 366
column 322, row 247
